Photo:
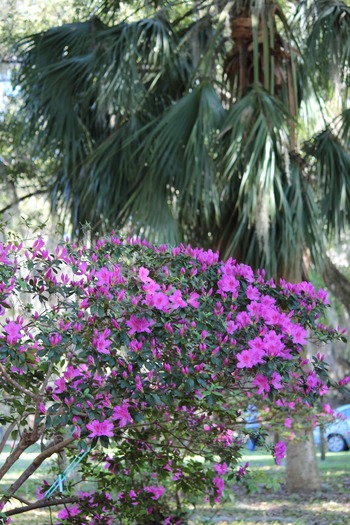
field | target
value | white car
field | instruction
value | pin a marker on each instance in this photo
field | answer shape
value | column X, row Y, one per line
column 338, row 432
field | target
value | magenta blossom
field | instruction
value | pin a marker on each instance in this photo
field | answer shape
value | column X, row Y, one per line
column 220, row 468
column 193, row 300
column 121, row 413
column 229, row 283
column 13, row 331
column 158, row 300
column 280, row 451
column 143, row 274
column 100, row 341
column 60, row 385
column 139, row 324
column 156, row 491
column 177, row 300
column 100, row 428
column 262, row 383
column 250, row 358
column 276, row 381
column 69, row 512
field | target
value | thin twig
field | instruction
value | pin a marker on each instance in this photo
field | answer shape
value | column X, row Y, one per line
column 40, row 396
column 22, row 500
column 46, row 380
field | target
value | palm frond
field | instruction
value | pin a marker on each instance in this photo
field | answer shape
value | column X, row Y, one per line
column 271, row 215
column 137, row 59
column 253, row 119
column 55, row 76
column 328, row 43
column 178, row 157
column 287, row 233
column 332, row 168
column 88, row 96
column 344, row 127
column 97, row 190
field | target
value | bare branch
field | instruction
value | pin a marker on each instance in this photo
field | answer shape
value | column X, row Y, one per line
column 42, row 504
column 40, row 395
column 36, row 464
column 22, row 500
column 46, row 380
column 20, row 199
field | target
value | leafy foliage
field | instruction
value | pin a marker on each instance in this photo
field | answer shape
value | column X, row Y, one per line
column 148, row 358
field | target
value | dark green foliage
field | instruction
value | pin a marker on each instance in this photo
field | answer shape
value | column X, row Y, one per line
column 186, row 121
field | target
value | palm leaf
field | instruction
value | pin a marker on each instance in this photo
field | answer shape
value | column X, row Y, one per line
column 293, row 228
column 332, row 168
column 137, row 59
column 257, row 168
column 328, row 43
column 177, row 159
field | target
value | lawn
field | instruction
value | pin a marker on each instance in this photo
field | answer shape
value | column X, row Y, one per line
column 268, row 505
column 272, row 505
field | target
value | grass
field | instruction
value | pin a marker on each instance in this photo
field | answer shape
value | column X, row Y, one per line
column 270, row 505
column 29, row 489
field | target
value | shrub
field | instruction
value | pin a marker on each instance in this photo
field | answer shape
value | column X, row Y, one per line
column 147, row 357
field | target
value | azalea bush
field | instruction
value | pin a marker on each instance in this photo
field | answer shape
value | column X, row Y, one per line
column 139, row 363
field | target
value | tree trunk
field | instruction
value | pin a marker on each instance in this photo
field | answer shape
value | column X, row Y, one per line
column 301, row 469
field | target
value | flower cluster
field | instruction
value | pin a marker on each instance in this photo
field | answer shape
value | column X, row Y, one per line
column 153, row 352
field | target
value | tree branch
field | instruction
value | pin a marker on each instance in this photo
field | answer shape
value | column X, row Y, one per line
column 10, row 428
column 27, row 439
column 22, row 500
column 36, row 464
column 40, row 395
column 41, row 504
column 20, row 199
column 7, row 434
column 10, row 61
column 47, row 378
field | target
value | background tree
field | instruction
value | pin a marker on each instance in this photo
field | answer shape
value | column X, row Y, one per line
column 23, row 176
column 199, row 121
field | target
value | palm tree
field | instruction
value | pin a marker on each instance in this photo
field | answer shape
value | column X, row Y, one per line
column 222, row 123
column 201, row 110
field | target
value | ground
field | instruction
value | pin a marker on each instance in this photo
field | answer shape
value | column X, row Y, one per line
column 269, row 504
column 272, row 506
